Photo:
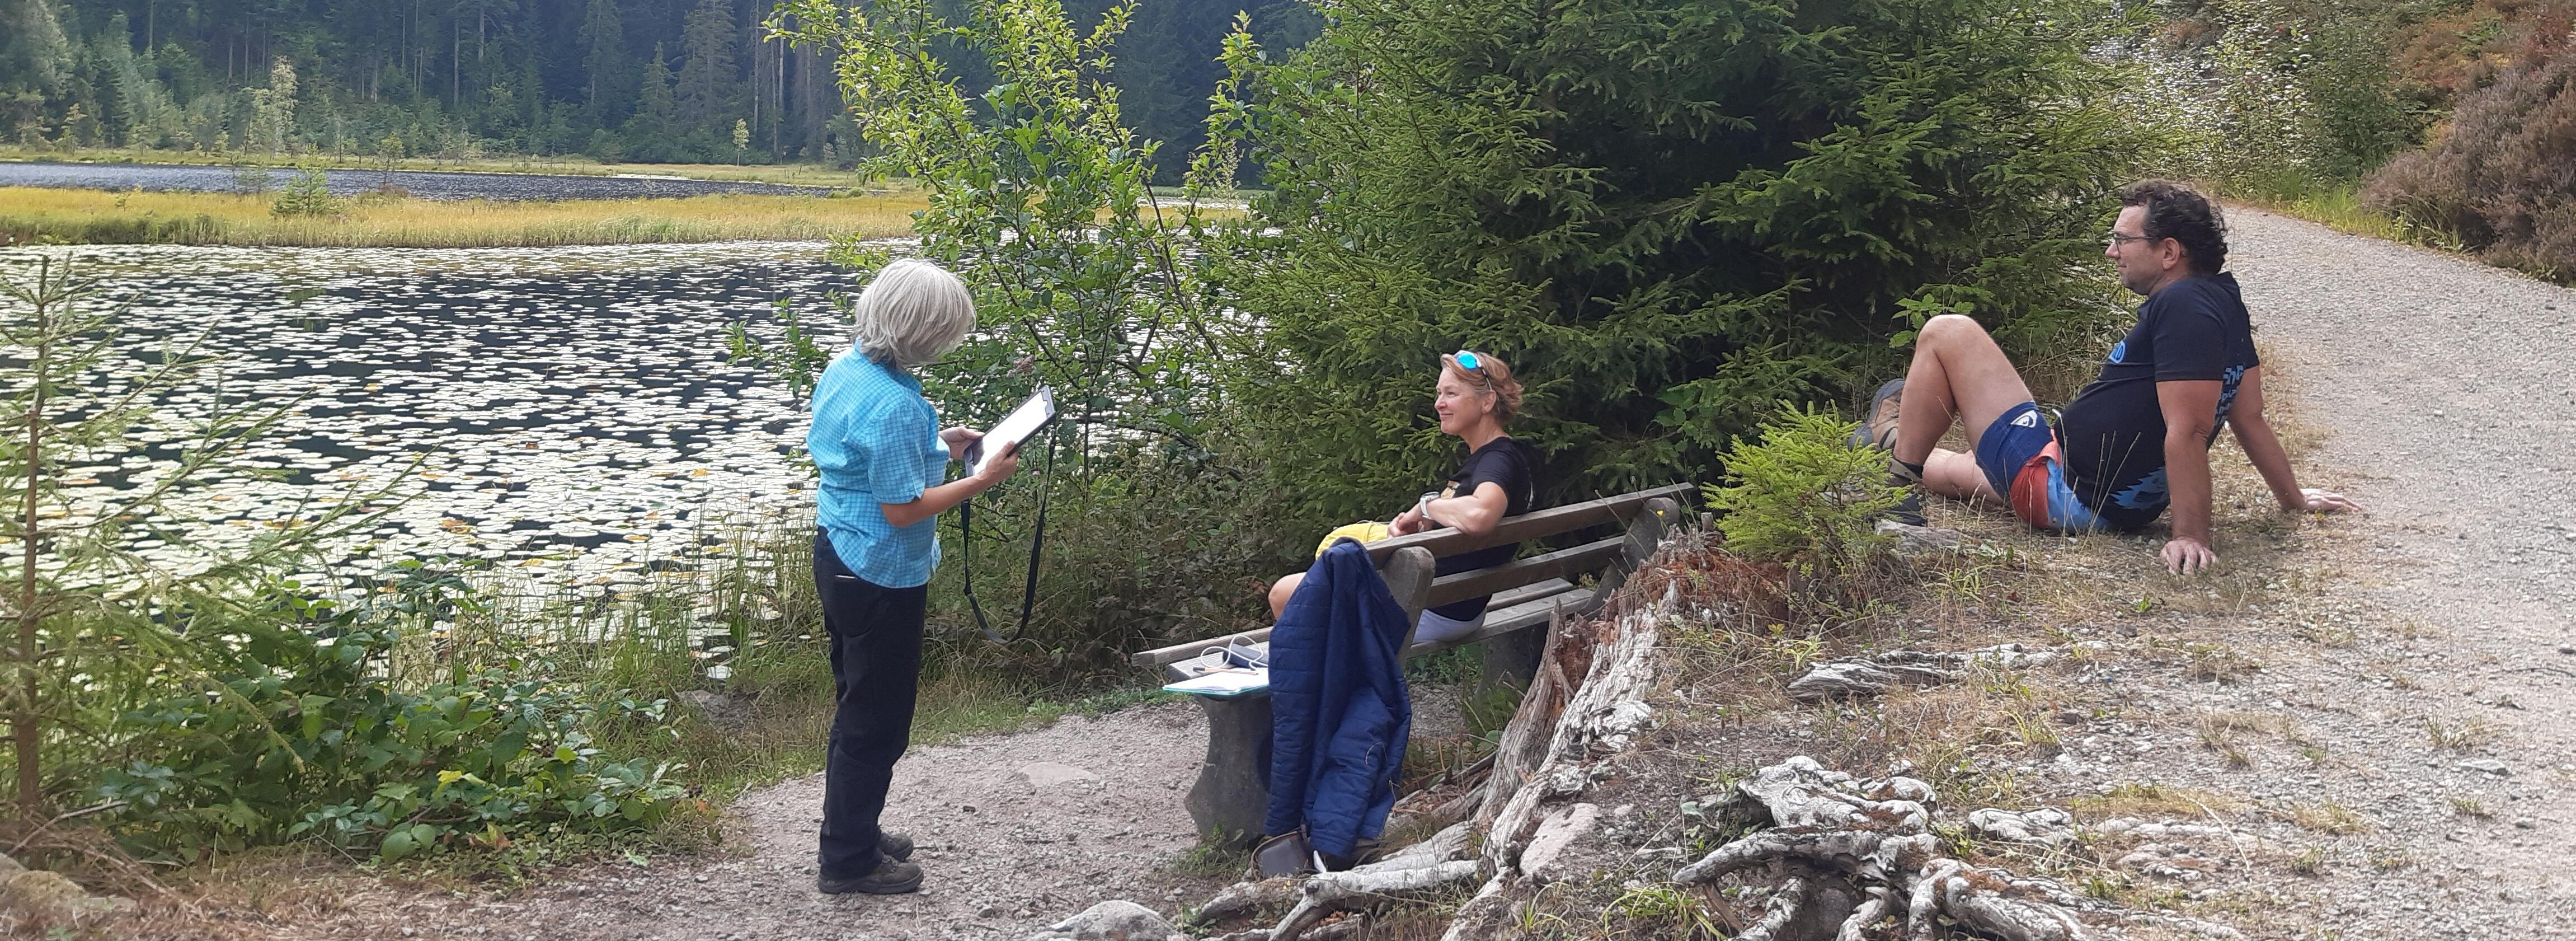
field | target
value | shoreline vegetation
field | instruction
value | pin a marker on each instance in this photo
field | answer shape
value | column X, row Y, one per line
column 39, row 215
column 786, row 174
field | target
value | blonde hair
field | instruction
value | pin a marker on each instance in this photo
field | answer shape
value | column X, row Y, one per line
column 1492, row 376
column 914, row 312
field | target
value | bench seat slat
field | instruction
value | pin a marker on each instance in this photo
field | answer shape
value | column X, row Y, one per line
column 1161, row 656
column 1527, row 614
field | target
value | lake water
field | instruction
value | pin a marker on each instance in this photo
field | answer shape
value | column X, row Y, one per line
column 571, row 409
column 421, row 183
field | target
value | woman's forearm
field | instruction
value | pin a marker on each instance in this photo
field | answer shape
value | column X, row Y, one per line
column 933, row 501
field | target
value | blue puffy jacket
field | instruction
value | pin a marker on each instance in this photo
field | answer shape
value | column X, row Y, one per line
column 1339, row 712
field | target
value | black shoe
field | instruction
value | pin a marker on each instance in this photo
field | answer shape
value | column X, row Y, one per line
column 1908, row 509
column 894, row 846
column 891, row 877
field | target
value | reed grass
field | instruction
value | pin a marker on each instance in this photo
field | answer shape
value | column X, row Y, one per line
column 37, row 215
column 797, row 174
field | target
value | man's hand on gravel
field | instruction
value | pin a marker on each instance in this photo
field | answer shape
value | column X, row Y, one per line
column 2188, row 556
column 2326, row 501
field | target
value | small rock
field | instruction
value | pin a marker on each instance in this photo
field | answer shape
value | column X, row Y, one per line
column 989, row 911
column 2047, row 826
column 1044, row 774
column 43, row 897
column 2567, row 648
column 1914, row 541
column 1554, row 835
column 2487, row 765
column 2524, row 823
column 1113, row 920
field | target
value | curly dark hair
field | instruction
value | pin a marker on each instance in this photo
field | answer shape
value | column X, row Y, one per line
column 2175, row 211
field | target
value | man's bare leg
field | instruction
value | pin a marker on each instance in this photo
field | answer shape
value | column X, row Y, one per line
column 1959, row 374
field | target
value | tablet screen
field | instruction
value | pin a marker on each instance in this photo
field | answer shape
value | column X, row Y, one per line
column 1014, row 427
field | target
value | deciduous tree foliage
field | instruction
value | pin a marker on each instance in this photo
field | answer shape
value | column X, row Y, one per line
column 1667, row 215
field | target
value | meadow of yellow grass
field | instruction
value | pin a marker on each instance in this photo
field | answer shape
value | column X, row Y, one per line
column 33, row 214
column 807, row 174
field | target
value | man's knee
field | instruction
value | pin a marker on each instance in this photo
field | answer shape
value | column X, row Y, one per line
column 1950, row 328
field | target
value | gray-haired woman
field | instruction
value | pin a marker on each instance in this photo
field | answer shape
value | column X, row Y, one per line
column 876, row 441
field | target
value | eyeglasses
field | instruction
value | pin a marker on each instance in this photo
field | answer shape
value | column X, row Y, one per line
column 1468, row 361
column 2116, row 240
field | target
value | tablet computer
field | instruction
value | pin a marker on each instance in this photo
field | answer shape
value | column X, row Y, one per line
column 1020, row 425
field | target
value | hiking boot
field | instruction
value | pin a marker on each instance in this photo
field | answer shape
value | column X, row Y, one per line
column 1878, row 426
column 1909, row 508
column 891, row 877
column 894, row 846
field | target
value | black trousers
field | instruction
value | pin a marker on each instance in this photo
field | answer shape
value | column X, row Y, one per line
column 876, row 675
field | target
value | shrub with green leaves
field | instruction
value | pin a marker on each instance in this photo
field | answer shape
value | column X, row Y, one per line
column 1804, row 496
column 298, row 735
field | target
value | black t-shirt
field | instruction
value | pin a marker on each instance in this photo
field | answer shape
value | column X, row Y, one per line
column 2114, row 431
column 1501, row 461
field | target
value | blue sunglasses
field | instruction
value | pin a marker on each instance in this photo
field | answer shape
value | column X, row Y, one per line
column 1467, row 360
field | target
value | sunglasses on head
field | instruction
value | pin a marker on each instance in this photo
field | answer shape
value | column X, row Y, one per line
column 1468, row 361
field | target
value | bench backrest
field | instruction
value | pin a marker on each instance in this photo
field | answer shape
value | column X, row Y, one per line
column 1409, row 563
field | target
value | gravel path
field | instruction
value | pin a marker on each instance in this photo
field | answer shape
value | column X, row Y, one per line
column 1013, row 832
column 2444, row 391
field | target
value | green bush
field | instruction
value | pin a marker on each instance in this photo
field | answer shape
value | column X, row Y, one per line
column 1803, row 496
column 1666, row 215
column 298, row 735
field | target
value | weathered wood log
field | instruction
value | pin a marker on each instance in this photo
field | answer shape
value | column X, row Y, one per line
column 1330, row 892
column 1244, row 898
column 1609, row 704
column 1827, row 828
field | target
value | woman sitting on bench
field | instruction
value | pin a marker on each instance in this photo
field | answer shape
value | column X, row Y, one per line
column 1477, row 397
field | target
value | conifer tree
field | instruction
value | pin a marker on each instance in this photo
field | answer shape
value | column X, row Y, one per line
column 603, row 61
column 705, row 93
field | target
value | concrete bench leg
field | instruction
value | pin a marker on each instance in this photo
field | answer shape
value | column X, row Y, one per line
column 1232, row 796
column 1512, row 659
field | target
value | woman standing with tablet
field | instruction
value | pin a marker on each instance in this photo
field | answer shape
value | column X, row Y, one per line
column 876, row 441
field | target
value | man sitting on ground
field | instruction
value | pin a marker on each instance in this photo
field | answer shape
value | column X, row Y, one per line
column 2134, row 441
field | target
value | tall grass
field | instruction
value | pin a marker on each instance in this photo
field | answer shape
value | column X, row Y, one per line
column 803, row 174
column 43, row 215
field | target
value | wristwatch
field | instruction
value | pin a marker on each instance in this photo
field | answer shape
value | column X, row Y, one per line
column 1422, row 507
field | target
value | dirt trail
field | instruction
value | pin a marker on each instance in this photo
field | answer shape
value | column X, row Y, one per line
column 1014, row 832
column 2449, row 409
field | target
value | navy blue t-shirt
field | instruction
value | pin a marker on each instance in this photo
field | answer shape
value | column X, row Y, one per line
column 1501, row 461
column 2114, row 432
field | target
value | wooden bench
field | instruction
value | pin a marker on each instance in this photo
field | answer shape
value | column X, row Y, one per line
column 1232, row 796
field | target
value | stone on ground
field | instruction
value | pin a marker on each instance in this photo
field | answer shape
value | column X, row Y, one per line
column 1113, row 920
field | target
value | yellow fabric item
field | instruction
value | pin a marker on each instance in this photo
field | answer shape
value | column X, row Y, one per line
column 1364, row 532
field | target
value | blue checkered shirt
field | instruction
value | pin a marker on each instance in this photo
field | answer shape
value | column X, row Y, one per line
column 876, row 440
